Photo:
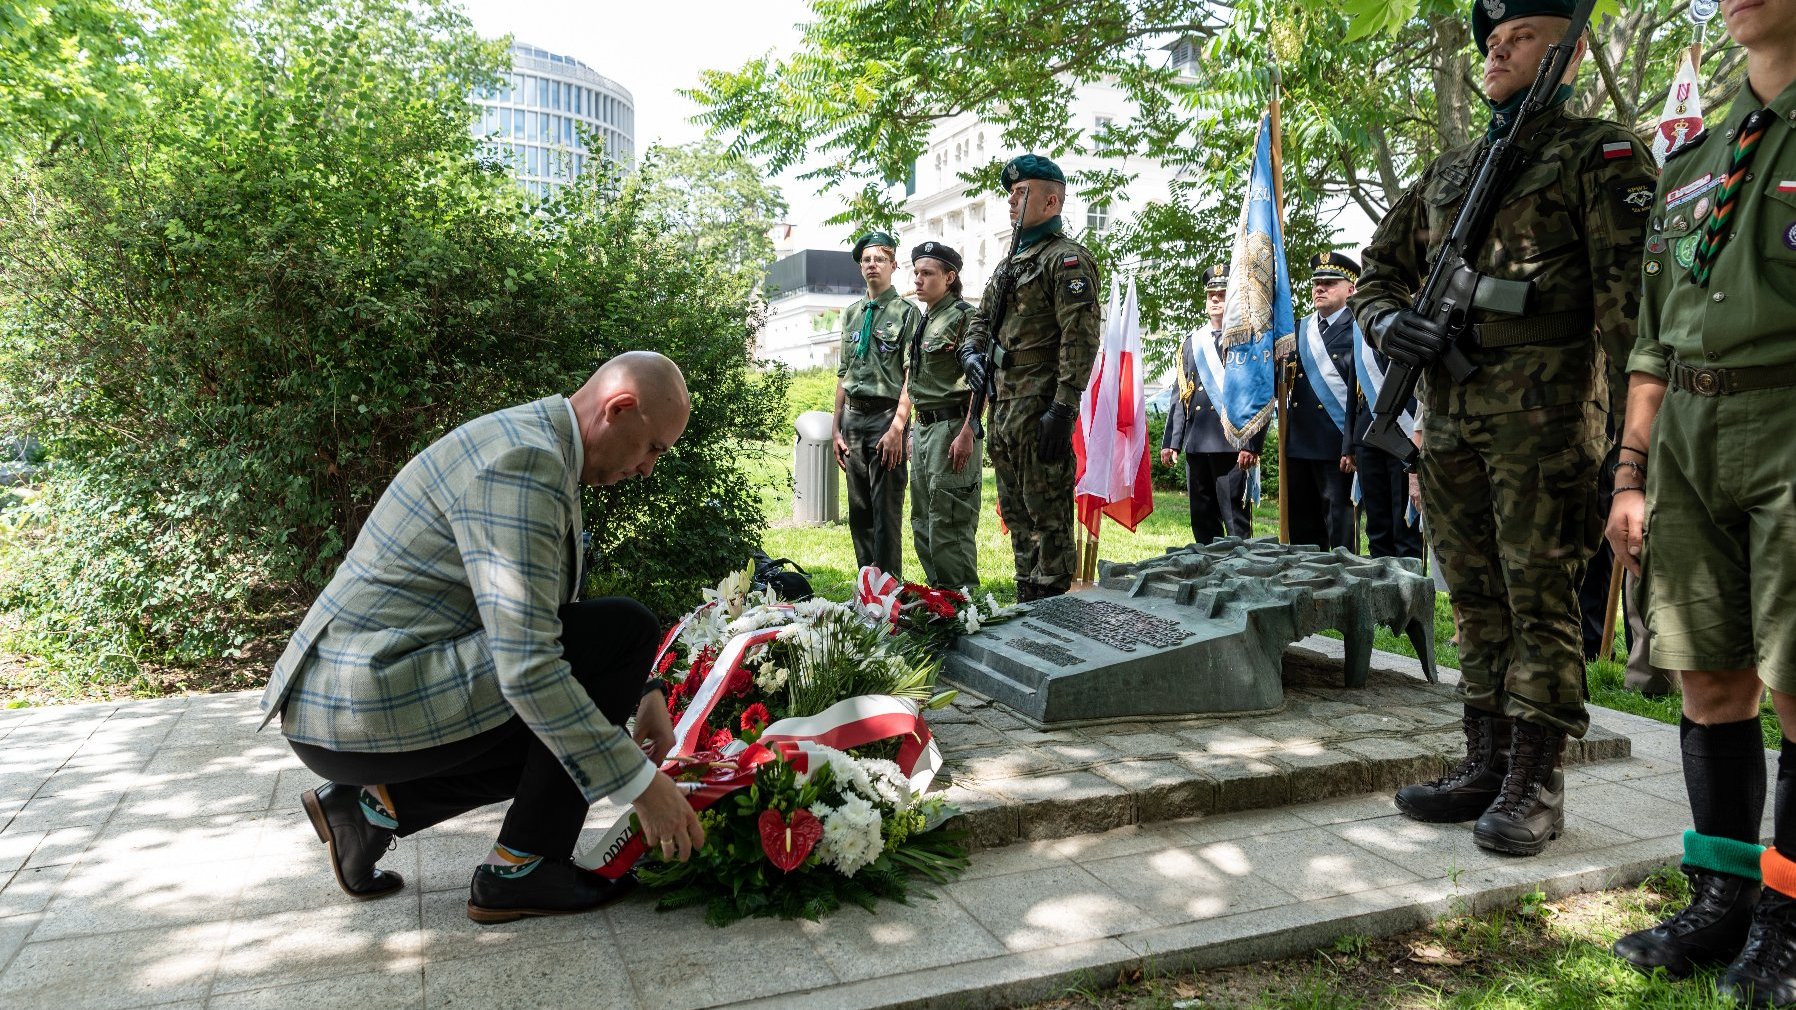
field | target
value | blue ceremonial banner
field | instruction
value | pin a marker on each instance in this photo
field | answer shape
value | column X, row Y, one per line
column 1258, row 312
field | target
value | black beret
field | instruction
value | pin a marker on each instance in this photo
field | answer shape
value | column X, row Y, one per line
column 1487, row 14
column 936, row 250
column 1216, row 278
column 875, row 238
column 1334, row 266
column 1024, row 167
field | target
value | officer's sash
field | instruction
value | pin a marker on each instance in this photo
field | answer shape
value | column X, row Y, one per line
column 1330, row 386
column 1209, row 364
column 1371, row 380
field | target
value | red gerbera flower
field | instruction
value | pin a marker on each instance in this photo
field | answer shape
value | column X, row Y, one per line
column 756, row 716
column 667, row 661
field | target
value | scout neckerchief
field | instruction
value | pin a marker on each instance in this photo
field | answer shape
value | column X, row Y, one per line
column 1715, row 229
column 865, row 337
column 1330, row 386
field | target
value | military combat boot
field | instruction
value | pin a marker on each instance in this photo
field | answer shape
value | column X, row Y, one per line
column 1764, row 975
column 1466, row 791
column 1529, row 812
column 1710, row 930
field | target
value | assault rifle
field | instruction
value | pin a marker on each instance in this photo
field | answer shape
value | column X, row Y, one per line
column 987, row 388
column 1453, row 288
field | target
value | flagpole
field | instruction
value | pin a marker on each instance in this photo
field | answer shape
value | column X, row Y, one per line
column 1281, row 385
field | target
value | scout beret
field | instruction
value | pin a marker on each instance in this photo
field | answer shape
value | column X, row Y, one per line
column 1024, row 167
column 875, row 238
column 1216, row 278
column 1487, row 14
column 1334, row 266
column 936, row 250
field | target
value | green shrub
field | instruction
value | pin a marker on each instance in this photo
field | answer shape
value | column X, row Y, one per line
column 811, row 389
column 235, row 317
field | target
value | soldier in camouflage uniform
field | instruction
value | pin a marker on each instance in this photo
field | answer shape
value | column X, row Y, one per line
column 870, row 419
column 1510, row 457
column 1705, row 511
column 946, row 465
column 1042, row 355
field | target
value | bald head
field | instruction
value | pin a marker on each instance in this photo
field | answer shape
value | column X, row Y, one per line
column 630, row 411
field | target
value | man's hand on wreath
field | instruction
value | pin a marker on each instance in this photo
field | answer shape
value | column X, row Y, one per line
column 669, row 824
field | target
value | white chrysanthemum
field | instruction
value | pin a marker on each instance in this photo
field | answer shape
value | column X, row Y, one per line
column 851, row 834
column 771, row 678
column 889, row 783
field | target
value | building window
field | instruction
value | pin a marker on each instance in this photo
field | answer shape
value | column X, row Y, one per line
column 1097, row 217
column 1102, row 121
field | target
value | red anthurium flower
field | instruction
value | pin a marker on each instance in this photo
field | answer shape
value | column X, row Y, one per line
column 788, row 842
column 757, row 715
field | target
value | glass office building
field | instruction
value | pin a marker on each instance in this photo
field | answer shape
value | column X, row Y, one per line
column 552, row 115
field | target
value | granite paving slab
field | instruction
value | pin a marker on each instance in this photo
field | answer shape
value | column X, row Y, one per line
column 154, row 854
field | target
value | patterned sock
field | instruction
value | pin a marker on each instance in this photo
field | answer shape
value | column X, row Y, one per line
column 377, row 806
column 1724, row 775
column 508, row 862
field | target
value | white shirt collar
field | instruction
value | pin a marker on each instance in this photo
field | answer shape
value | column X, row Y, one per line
column 1331, row 320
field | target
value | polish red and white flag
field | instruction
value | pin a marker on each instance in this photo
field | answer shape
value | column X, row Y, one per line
column 1115, row 463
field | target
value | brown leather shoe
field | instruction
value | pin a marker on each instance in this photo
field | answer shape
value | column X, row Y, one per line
column 354, row 844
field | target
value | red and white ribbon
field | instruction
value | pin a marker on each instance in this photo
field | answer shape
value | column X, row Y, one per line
column 876, row 596
column 852, row 722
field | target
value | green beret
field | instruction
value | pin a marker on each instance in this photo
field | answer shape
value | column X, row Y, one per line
column 875, row 238
column 1487, row 14
column 937, row 250
column 1024, row 167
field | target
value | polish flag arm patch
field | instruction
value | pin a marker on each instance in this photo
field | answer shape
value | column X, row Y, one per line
column 1787, row 186
column 1619, row 149
column 1069, row 261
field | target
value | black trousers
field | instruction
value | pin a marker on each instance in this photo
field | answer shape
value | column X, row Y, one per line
column 1384, row 498
column 1215, row 485
column 1320, row 497
column 609, row 643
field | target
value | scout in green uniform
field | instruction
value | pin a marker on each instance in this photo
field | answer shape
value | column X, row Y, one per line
column 870, row 419
column 1042, row 355
column 1510, row 457
column 945, row 466
column 1705, row 502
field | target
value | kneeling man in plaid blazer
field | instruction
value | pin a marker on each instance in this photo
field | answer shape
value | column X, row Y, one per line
column 450, row 664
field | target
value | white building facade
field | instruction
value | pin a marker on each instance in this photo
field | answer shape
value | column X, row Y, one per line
column 978, row 226
column 543, row 116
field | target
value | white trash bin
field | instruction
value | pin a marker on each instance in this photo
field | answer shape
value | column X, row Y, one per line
column 816, row 491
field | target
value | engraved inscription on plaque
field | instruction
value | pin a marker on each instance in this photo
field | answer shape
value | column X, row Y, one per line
column 1038, row 629
column 1045, row 650
column 1115, row 625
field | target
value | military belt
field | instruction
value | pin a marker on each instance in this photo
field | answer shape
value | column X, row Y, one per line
column 871, row 404
column 950, row 413
column 1547, row 329
column 1033, row 356
column 1722, row 381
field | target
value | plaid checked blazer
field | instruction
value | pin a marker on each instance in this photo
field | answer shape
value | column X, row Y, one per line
column 442, row 621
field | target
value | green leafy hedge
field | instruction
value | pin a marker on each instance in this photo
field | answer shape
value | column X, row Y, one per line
column 235, row 316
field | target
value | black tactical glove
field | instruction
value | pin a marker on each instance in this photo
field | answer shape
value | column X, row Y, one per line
column 1055, row 432
column 975, row 366
column 1409, row 337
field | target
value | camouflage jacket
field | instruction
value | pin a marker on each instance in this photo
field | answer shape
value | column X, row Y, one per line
column 1053, row 324
column 878, row 370
column 934, row 374
column 1573, row 222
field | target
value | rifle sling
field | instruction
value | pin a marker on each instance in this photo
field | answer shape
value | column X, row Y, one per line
column 1547, row 329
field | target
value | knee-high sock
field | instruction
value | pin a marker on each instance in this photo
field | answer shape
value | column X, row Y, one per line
column 1783, row 813
column 1724, row 773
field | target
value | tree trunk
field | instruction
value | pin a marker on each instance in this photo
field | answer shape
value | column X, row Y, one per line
column 1453, row 95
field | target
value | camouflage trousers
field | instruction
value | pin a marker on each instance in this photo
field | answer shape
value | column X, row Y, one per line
column 1036, row 497
column 1512, row 506
column 875, row 494
column 944, row 507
